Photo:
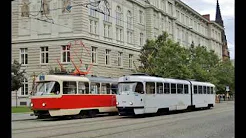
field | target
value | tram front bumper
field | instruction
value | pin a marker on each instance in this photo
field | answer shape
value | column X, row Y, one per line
column 125, row 111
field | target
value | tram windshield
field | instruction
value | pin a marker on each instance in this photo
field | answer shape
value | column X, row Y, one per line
column 130, row 87
column 47, row 88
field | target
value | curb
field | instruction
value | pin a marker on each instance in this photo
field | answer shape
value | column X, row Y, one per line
column 23, row 113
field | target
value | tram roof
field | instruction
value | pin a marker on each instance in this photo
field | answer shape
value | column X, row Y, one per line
column 62, row 78
column 102, row 79
column 150, row 78
column 202, row 83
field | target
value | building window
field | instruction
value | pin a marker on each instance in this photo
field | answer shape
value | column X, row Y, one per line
column 93, row 27
column 156, row 21
column 129, row 20
column 191, row 22
column 107, row 30
column 24, row 56
column 163, row 5
column 130, row 61
column 92, row 10
column 93, row 55
column 44, row 55
column 170, row 27
column 177, row 15
column 119, row 34
column 119, row 16
column 45, row 9
column 106, row 15
column 129, row 37
column 178, row 35
column 141, row 17
column 198, row 28
column 187, row 21
column 183, row 37
column 162, row 24
column 107, row 57
column 119, row 58
column 170, row 8
column 65, row 54
column 141, row 40
column 24, row 88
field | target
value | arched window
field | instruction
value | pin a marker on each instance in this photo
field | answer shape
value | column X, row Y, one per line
column 129, row 20
column 119, row 16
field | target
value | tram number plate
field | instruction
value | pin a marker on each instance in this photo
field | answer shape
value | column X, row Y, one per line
column 123, row 101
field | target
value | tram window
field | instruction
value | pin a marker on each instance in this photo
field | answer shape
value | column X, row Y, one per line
column 166, row 88
column 200, row 89
column 150, row 88
column 212, row 90
column 105, row 88
column 173, row 88
column 180, row 88
column 159, row 88
column 208, row 90
column 204, row 90
column 95, row 88
column 186, row 89
column 195, row 89
column 114, row 88
column 108, row 88
column 56, row 88
column 139, row 88
column 69, row 87
column 83, row 88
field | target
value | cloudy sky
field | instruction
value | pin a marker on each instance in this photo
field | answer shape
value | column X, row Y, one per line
column 227, row 12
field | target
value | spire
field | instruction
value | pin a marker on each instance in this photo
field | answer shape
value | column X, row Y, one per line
column 218, row 18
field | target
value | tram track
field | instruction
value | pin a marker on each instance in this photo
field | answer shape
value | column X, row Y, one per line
column 93, row 125
column 129, row 126
column 73, row 124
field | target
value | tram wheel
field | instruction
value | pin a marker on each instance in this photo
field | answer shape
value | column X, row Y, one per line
column 40, row 117
column 92, row 113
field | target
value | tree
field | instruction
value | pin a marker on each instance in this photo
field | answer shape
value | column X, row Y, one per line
column 203, row 63
column 17, row 77
column 224, row 73
column 165, row 58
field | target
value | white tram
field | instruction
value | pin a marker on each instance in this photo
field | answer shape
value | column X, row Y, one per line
column 140, row 94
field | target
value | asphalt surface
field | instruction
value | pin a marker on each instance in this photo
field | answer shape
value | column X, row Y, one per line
column 217, row 122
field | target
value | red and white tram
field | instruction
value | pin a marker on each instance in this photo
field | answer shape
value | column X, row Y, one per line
column 141, row 94
column 69, row 95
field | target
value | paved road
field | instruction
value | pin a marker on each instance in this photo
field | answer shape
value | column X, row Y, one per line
column 22, row 116
column 213, row 123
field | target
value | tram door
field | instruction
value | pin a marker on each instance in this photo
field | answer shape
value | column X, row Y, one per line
column 150, row 97
column 113, row 91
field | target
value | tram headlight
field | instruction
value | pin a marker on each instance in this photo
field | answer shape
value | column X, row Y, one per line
column 31, row 104
column 44, row 104
column 117, row 103
column 130, row 103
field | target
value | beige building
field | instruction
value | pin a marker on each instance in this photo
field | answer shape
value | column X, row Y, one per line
column 40, row 35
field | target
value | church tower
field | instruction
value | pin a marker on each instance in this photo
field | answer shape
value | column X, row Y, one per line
column 219, row 20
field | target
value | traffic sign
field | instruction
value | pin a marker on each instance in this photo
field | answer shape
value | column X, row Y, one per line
column 227, row 88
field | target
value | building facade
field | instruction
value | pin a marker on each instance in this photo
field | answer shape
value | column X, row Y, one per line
column 113, row 41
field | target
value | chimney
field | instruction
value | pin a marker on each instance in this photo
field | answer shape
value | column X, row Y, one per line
column 207, row 16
